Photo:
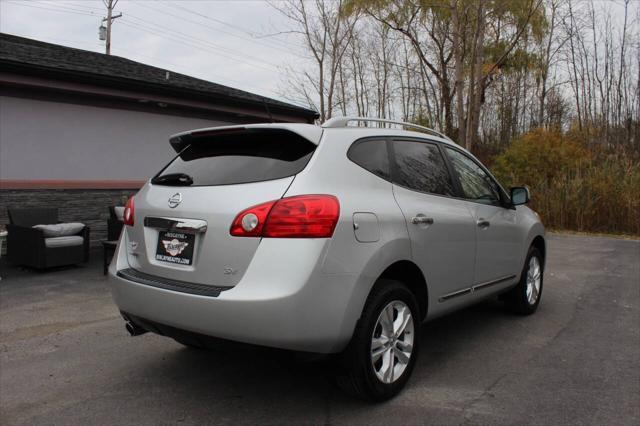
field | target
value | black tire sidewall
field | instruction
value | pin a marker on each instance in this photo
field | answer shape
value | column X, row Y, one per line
column 385, row 292
column 521, row 303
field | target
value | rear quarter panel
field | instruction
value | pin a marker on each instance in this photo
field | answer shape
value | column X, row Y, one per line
column 358, row 191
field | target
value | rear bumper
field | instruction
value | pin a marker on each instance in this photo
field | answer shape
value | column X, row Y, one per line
column 288, row 305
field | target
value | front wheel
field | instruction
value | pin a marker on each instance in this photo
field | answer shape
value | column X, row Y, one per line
column 525, row 297
column 379, row 360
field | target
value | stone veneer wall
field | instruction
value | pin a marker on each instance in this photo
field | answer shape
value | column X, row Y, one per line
column 89, row 206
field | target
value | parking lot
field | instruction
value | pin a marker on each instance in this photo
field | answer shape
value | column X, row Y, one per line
column 66, row 358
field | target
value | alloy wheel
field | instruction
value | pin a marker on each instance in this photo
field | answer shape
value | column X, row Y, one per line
column 392, row 341
column 534, row 278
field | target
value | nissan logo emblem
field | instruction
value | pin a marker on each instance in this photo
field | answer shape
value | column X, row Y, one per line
column 175, row 200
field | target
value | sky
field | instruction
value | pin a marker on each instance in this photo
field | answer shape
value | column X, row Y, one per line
column 243, row 44
column 226, row 42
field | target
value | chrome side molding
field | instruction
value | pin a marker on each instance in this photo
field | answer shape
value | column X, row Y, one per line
column 476, row 287
column 455, row 294
column 176, row 224
column 490, row 283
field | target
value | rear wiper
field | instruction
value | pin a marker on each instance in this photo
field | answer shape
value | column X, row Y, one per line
column 174, row 179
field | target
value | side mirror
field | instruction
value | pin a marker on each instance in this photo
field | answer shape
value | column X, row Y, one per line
column 520, row 195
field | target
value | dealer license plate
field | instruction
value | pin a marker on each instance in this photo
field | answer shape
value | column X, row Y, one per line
column 175, row 247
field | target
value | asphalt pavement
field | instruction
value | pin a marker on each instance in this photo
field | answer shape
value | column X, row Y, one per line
column 66, row 359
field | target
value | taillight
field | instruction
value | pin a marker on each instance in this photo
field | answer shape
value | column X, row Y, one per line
column 129, row 210
column 250, row 222
column 302, row 216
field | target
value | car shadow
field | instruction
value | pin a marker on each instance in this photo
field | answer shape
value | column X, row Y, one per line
column 264, row 377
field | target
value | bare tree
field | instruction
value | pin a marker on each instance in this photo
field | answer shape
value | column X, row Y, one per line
column 327, row 36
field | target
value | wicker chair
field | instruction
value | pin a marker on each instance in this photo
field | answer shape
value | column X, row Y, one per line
column 26, row 246
column 114, row 224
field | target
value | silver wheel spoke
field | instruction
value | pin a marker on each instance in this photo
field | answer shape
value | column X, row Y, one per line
column 378, row 347
column 392, row 341
column 534, row 294
column 387, row 321
column 404, row 316
column 534, row 278
column 402, row 357
column 389, row 360
column 404, row 346
column 378, row 342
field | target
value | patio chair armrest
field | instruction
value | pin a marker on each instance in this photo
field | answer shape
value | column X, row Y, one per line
column 24, row 242
column 86, row 235
column 33, row 236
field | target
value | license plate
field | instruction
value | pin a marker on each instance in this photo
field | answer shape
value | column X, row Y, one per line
column 175, row 247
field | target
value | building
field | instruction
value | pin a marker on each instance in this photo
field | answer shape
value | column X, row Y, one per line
column 81, row 130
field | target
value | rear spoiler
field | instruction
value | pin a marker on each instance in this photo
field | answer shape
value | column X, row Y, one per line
column 308, row 132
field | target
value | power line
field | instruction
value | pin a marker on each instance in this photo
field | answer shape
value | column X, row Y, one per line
column 193, row 70
column 96, row 45
column 67, row 5
column 56, row 9
column 192, row 42
column 231, row 52
column 164, row 12
column 236, row 27
column 177, row 36
column 161, row 31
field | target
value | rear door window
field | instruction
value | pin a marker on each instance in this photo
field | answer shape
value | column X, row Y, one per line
column 421, row 167
column 372, row 155
column 234, row 159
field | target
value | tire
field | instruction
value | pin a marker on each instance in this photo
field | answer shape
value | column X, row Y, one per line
column 358, row 374
column 524, row 298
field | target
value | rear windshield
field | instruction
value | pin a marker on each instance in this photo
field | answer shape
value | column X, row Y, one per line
column 233, row 159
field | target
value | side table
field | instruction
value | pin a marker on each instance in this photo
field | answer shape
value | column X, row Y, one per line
column 109, row 248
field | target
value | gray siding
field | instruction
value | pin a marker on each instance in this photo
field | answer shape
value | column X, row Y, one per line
column 53, row 140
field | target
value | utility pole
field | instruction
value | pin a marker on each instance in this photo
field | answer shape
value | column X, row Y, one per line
column 110, row 4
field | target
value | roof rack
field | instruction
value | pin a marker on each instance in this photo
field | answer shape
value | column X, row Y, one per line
column 344, row 122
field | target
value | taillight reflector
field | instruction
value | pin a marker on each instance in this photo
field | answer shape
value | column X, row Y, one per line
column 302, row 216
column 129, row 211
column 239, row 226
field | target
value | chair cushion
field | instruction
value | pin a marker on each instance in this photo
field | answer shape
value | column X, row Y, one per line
column 60, row 229
column 68, row 241
column 119, row 211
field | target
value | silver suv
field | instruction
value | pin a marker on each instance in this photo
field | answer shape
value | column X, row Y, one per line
column 331, row 239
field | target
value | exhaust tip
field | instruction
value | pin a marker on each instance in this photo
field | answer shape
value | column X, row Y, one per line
column 134, row 330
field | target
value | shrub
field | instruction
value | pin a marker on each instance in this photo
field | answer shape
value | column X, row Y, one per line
column 574, row 186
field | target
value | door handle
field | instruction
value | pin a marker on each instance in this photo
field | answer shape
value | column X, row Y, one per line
column 483, row 223
column 422, row 220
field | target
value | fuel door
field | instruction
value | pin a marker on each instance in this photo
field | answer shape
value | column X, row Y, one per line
column 366, row 227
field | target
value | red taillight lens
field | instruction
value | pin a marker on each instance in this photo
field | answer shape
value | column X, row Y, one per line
column 302, row 216
column 250, row 222
column 129, row 210
column 305, row 216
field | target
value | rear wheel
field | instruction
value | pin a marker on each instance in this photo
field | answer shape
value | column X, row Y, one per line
column 382, row 353
column 525, row 297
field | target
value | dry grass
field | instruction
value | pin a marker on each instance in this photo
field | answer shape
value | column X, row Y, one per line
column 575, row 186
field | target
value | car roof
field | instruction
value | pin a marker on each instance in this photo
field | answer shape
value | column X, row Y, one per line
column 359, row 132
column 313, row 132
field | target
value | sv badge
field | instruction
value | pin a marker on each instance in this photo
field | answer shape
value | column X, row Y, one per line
column 230, row 271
